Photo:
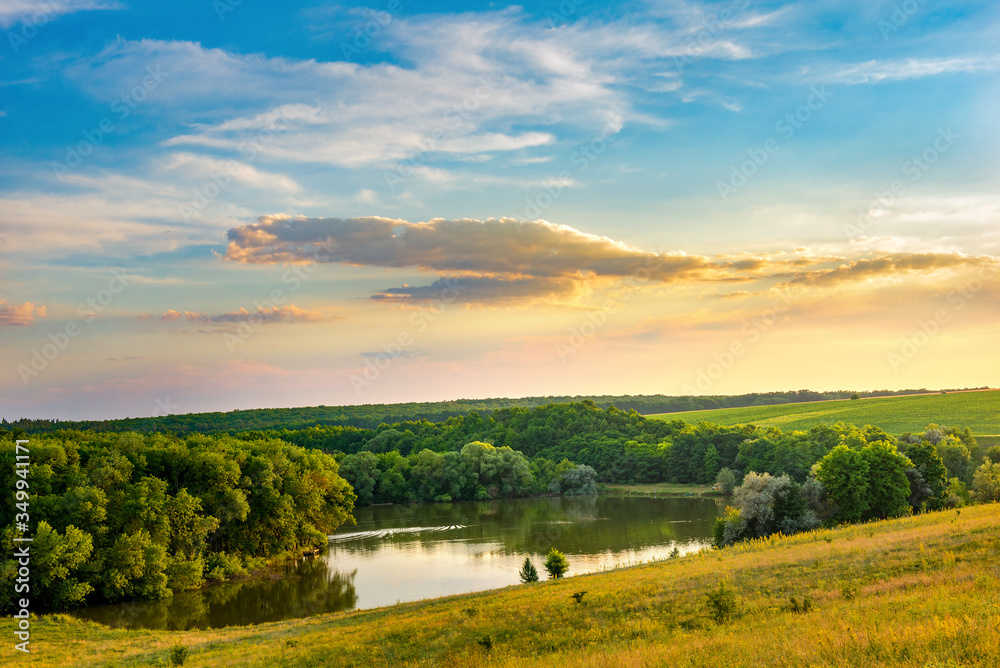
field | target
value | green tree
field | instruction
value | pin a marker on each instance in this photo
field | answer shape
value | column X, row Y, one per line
column 727, row 479
column 361, row 471
column 932, row 469
column 888, row 488
column 956, row 458
column 710, row 465
column 555, row 564
column 56, row 563
column 844, row 475
column 528, row 573
column 986, row 481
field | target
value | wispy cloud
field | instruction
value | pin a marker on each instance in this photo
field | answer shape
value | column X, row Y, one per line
column 877, row 71
column 263, row 315
column 20, row 314
column 12, row 11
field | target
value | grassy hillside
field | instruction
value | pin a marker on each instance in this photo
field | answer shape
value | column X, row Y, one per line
column 921, row 591
column 979, row 411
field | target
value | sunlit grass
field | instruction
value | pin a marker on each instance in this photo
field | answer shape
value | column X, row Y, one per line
column 920, row 591
column 657, row 489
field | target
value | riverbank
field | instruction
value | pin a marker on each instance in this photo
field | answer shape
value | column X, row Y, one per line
column 659, row 489
column 919, row 591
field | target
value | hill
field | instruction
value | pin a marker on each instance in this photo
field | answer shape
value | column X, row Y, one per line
column 369, row 416
column 979, row 411
column 914, row 592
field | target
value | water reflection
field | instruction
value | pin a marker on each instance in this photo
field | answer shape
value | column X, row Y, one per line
column 309, row 587
column 405, row 553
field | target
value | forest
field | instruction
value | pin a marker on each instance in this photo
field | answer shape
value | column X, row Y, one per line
column 120, row 516
column 126, row 516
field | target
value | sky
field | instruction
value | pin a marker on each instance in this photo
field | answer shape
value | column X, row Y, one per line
column 217, row 204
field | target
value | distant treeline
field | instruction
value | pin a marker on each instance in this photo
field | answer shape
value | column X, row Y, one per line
column 622, row 447
column 370, row 416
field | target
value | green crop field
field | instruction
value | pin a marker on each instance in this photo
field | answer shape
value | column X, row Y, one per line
column 979, row 411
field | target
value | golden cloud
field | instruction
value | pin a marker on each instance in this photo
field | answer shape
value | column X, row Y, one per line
column 505, row 260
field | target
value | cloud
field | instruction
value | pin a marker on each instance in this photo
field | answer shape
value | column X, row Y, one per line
column 875, row 71
column 499, row 261
column 20, row 314
column 262, row 316
column 896, row 264
column 505, row 247
column 40, row 12
column 483, row 289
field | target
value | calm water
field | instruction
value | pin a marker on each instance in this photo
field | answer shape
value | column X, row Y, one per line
column 406, row 553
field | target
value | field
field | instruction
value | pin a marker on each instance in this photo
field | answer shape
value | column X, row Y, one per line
column 922, row 591
column 979, row 411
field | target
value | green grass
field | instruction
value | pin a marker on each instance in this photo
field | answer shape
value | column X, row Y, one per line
column 658, row 489
column 917, row 592
column 979, row 411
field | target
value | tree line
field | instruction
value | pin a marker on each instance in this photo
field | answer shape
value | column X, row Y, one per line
column 865, row 477
column 370, row 416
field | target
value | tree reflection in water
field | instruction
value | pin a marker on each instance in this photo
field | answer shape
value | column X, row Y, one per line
column 310, row 587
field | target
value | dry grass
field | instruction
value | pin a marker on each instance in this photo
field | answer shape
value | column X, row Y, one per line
column 921, row 591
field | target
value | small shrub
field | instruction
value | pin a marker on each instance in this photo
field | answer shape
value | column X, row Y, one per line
column 528, row 572
column 578, row 596
column 178, row 654
column 722, row 603
column 486, row 642
column 805, row 605
column 556, row 564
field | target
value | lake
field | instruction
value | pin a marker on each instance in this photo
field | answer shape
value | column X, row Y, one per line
column 406, row 553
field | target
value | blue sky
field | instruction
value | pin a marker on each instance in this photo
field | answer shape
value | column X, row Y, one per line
column 239, row 161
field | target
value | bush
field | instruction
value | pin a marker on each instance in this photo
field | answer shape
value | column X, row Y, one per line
column 721, row 603
column 178, row 654
column 555, row 564
column 581, row 480
column 986, row 481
